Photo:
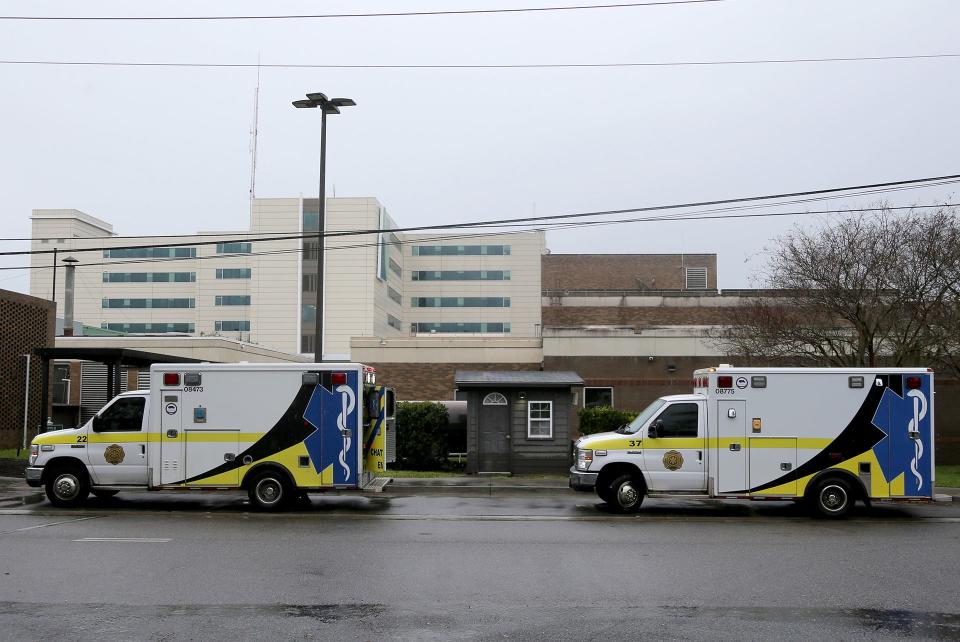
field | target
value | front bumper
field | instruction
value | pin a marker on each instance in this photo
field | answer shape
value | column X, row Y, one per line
column 34, row 473
column 582, row 481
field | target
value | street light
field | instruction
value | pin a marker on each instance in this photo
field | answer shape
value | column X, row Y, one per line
column 327, row 106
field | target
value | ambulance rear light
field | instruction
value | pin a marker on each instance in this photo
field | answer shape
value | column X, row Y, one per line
column 171, row 378
column 725, row 381
column 338, row 378
column 913, row 383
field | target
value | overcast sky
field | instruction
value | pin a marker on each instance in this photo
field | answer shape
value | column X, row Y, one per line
column 166, row 151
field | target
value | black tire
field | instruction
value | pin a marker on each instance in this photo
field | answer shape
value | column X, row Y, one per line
column 832, row 498
column 603, row 492
column 67, row 486
column 269, row 491
column 104, row 494
column 625, row 493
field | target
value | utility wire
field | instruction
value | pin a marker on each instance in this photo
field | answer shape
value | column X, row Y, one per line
column 586, row 65
column 706, row 215
column 385, row 14
column 918, row 182
column 253, row 236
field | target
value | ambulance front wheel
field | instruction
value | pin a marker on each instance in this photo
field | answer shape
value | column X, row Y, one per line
column 625, row 493
column 833, row 497
column 269, row 490
column 67, row 486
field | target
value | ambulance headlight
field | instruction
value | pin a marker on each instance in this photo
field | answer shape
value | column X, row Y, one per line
column 34, row 451
column 584, row 459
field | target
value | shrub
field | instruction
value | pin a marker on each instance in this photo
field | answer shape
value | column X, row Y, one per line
column 603, row 419
column 421, row 434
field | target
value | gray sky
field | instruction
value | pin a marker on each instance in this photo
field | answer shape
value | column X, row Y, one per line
column 165, row 151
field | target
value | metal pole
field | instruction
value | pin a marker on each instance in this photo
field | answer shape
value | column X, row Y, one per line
column 53, row 297
column 318, row 330
column 44, row 394
column 26, row 404
column 69, row 280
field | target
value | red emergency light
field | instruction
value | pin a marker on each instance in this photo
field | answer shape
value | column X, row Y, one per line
column 725, row 381
column 913, row 382
column 338, row 378
column 171, row 378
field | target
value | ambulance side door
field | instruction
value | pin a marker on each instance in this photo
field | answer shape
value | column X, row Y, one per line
column 674, row 448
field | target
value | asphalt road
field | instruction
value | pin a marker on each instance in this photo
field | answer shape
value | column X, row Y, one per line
column 550, row 567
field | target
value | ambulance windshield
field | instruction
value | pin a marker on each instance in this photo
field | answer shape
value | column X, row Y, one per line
column 642, row 418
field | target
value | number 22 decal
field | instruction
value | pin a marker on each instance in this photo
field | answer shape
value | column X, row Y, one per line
column 81, row 439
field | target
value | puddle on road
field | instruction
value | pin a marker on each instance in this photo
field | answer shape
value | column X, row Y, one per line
column 899, row 622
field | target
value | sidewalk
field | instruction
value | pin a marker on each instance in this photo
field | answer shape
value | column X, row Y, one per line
column 15, row 492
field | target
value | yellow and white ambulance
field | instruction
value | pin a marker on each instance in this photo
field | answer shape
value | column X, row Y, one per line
column 830, row 436
column 275, row 430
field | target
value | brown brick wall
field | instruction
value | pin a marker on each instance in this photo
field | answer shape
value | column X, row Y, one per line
column 432, row 381
column 637, row 317
column 622, row 271
column 26, row 323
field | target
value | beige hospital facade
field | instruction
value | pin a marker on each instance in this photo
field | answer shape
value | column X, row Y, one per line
column 235, row 284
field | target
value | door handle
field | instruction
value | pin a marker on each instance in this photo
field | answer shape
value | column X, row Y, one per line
column 143, row 449
column 699, row 455
column 229, row 457
column 172, row 433
column 735, row 447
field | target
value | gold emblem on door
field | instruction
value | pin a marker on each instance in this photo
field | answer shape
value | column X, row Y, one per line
column 672, row 460
column 113, row 454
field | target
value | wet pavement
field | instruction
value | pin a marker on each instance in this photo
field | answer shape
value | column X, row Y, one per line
column 526, row 566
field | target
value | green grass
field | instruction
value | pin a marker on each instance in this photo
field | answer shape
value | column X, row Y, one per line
column 11, row 453
column 948, row 476
column 421, row 473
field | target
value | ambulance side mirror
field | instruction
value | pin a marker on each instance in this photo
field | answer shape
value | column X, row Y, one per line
column 97, row 423
column 654, row 430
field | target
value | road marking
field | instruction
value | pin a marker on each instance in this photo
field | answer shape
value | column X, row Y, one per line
column 138, row 540
column 67, row 521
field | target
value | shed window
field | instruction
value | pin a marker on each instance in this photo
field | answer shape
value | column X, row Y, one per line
column 540, row 420
column 494, row 399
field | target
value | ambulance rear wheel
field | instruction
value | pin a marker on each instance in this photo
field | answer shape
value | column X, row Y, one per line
column 269, row 490
column 833, row 498
column 625, row 493
column 67, row 487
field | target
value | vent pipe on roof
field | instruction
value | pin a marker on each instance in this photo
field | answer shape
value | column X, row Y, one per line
column 68, row 296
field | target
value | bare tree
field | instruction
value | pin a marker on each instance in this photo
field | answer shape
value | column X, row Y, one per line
column 865, row 291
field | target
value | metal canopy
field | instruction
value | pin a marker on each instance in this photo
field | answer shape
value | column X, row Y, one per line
column 516, row 379
column 113, row 358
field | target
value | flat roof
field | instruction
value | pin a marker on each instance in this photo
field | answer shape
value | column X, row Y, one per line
column 122, row 356
column 516, row 378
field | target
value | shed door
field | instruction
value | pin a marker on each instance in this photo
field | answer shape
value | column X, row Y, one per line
column 493, row 428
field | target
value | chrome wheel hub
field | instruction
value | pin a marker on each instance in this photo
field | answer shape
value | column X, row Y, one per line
column 833, row 498
column 268, row 491
column 67, row 487
column 627, row 495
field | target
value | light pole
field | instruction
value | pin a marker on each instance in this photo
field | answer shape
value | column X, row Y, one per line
column 327, row 106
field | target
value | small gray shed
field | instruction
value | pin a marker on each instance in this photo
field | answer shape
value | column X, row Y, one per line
column 518, row 422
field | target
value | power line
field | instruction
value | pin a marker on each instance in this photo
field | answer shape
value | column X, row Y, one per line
column 385, row 14
column 254, row 236
column 916, row 182
column 694, row 216
column 586, row 65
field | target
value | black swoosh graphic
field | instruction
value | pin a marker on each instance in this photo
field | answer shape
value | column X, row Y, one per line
column 291, row 429
column 858, row 437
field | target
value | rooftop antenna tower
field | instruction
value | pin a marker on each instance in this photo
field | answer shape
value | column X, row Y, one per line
column 253, row 139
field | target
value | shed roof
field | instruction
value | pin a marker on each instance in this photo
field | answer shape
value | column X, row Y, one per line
column 515, row 379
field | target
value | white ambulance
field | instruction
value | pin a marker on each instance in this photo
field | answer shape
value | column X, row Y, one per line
column 830, row 436
column 277, row 431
